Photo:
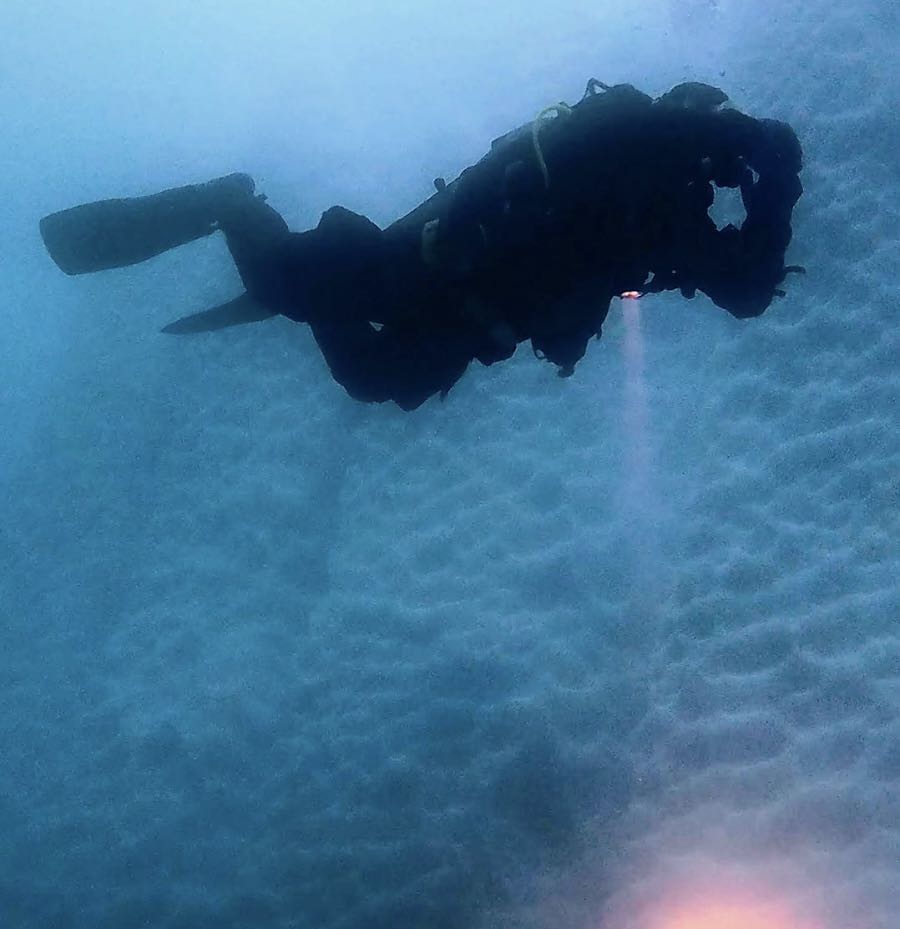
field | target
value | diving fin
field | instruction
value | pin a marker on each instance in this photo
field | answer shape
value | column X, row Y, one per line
column 116, row 233
column 243, row 309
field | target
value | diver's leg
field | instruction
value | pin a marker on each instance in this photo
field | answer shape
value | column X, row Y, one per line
column 116, row 233
column 378, row 365
column 236, row 312
column 256, row 235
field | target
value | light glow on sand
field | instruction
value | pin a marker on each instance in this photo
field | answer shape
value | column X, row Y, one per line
column 725, row 908
column 728, row 916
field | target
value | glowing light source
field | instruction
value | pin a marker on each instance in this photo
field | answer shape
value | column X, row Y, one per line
column 728, row 916
column 630, row 294
column 699, row 893
column 722, row 910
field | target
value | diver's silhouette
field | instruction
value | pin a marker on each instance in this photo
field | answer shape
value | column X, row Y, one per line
column 609, row 196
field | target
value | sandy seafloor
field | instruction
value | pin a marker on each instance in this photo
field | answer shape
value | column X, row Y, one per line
column 592, row 653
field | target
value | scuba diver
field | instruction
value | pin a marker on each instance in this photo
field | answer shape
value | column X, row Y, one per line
column 606, row 198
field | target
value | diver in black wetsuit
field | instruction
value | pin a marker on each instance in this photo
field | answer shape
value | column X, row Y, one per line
column 531, row 243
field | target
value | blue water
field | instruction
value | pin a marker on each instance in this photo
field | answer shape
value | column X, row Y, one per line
column 550, row 653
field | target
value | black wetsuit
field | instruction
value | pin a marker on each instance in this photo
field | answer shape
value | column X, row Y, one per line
column 522, row 251
column 531, row 243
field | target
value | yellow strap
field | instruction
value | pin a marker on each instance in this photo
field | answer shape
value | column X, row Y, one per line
column 558, row 110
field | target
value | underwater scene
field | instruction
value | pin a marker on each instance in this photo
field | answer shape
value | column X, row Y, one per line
column 348, row 578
